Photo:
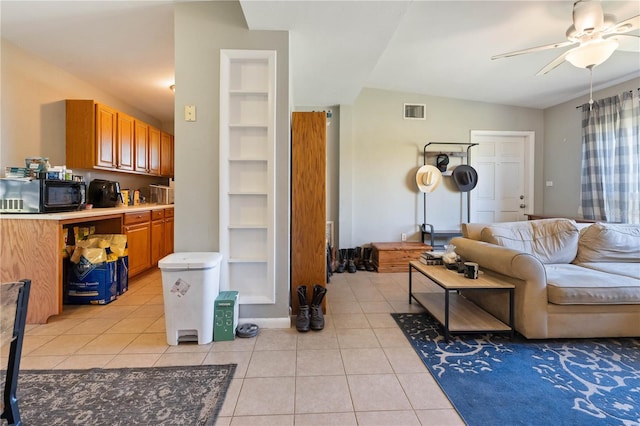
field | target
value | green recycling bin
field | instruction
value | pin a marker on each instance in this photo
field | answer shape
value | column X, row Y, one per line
column 225, row 316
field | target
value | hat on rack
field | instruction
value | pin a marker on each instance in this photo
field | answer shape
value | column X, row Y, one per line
column 465, row 177
column 428, row 178
column 442, row 161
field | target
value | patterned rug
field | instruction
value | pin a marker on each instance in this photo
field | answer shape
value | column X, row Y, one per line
column 190, row 395
column 492, row 380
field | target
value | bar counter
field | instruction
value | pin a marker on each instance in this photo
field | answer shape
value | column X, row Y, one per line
column 32, row 247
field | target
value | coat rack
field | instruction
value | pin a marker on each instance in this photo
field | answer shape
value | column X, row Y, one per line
column 427, row 228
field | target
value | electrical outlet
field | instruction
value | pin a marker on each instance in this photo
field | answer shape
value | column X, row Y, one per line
column 404, row 237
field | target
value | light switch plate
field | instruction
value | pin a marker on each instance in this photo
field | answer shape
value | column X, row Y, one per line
column 189, row 113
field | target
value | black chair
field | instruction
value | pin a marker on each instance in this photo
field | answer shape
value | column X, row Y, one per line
column 14, row 298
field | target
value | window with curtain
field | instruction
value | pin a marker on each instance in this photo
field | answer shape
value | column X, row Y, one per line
column 611, row 159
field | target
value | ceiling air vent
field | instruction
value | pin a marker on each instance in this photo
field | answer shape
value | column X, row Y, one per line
column 414, row 111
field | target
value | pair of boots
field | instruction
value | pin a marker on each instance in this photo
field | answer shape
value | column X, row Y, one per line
column 355, row 259
column 310, row 317
column 346, row 261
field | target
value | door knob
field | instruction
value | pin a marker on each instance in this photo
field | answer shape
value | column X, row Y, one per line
column 522, row 197
column 522, row 206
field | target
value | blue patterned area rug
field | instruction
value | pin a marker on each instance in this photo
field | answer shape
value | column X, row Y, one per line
column 492, row 380
column 190, row 395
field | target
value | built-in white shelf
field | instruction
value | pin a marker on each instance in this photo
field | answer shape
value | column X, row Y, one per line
column 247, row 174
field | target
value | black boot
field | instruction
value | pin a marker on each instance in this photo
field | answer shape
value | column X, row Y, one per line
column 360, row 259
column 342, row 261
column 368, row 263
column 351, row 265
column 317, row 318
column 302, row 320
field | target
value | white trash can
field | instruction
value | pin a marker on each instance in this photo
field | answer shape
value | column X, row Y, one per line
column 190, row 285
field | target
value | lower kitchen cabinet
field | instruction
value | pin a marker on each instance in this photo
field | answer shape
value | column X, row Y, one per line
column 157, row 236
column 168, row 231
column 137, row 227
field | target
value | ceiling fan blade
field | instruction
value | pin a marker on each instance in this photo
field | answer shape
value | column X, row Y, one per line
column 534, row 49
column 627, row 42
column 553, row 64
column 625, row 26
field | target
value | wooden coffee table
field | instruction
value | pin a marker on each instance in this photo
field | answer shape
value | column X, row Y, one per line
column 456, row 313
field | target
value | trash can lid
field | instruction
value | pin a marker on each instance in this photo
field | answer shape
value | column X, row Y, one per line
column 190, row 260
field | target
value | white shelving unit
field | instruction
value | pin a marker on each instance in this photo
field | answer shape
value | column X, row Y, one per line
column 247, row 173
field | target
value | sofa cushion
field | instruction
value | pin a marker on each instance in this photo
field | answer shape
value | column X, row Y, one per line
column 549, row 240
column 607, row 242
column 569, row 284
column 627, row 269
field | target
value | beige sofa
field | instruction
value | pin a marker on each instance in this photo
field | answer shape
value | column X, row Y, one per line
column 574, row 280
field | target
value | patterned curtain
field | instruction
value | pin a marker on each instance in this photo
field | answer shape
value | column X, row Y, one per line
column 611, row 159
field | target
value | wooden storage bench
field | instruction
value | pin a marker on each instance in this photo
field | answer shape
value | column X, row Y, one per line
column 395, row 257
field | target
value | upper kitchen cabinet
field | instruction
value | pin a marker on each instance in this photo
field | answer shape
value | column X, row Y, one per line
column 166, row 154
column 125, row 143
column 141, row 147
column 92, row 132
column 100, row 137
column 154, row 151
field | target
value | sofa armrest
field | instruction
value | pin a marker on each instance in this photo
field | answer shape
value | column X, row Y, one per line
column 531, row 289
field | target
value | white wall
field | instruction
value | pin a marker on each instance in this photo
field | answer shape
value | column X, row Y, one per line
column 201, row 30
column 381, row 153
column 563, row 151
column 33, row 113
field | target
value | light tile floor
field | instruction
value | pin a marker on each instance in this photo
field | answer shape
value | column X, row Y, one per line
column 359, row 370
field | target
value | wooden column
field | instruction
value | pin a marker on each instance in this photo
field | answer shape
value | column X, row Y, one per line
column 308, row 203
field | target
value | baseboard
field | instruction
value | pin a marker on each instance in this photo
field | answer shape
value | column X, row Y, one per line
column 284, row 322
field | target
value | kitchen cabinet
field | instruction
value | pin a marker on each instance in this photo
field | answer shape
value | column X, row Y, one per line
column 105, row 135
column 157, row 236
column 161, row 234
column 154, row 151
column 125, row 143
column 141, row 147
column 100, row 137
column 247, row 174
column 166, row 154
column 137, row 227
column 168, row 231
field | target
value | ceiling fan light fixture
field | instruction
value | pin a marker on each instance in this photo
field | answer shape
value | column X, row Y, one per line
column 592, row 54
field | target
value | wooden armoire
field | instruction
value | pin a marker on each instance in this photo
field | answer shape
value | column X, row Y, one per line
column 308, row 203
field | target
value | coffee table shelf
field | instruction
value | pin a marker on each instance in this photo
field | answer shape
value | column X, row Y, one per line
column 453, row 311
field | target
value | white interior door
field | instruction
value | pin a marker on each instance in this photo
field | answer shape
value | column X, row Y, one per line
column 504, row 162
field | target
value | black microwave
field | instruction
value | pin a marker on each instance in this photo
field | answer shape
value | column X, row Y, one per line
column 41, row 195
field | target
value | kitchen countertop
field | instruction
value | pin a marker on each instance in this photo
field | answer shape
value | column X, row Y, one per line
column 86, row 213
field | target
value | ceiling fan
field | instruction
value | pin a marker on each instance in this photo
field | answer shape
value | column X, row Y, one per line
column 596, row 33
